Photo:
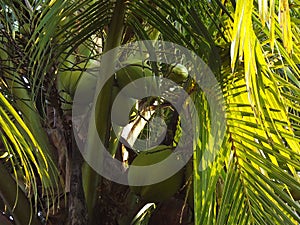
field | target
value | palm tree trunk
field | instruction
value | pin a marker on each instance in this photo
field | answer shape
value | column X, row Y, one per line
column 77, row 204
column 114, row 37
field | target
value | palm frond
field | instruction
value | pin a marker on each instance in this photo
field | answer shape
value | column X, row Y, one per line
column 259, row 160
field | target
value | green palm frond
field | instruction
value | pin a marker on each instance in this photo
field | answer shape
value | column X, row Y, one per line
column 31, row 167
column 259, row 161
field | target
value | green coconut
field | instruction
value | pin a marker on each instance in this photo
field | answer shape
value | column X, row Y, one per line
column 68, row 81
column 72, row 72
column 134, row 70
column 66, row 103
column 160, row 191
column 178, row 73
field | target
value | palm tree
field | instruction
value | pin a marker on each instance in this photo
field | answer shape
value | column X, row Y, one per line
column 252, row 48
